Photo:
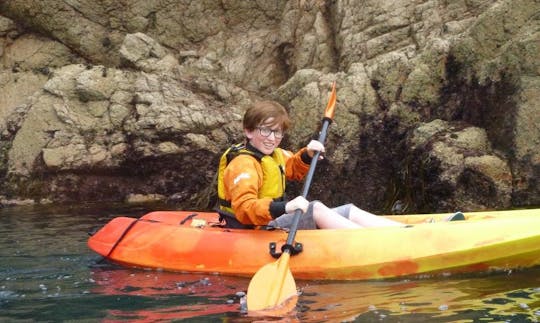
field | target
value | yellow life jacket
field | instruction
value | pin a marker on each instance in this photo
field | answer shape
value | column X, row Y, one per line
column 273, row 167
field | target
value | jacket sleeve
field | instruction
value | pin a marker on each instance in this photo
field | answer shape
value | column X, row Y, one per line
column 242, row 179
column 296, row 165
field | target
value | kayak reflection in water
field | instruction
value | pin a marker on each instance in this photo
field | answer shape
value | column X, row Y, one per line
column 252, row 177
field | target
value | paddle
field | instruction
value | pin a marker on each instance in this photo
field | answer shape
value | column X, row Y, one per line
column 273, row 285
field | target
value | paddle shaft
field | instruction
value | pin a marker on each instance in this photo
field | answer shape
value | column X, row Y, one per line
column 275, row 280
column 307, row 184
column 283, row 262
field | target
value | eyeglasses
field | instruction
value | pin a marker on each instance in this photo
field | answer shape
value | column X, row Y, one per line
column 265, row 132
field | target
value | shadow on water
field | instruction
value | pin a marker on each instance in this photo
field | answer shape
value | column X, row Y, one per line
column 48, row 274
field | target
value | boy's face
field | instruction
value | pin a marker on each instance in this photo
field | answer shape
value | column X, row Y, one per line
column 266, row 137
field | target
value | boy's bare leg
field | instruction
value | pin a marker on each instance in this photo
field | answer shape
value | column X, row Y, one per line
column 328, row 219
column 368, row 220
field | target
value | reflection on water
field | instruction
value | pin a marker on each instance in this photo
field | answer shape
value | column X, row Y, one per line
column 47, row 273
column 178, row 295
column 502, row 297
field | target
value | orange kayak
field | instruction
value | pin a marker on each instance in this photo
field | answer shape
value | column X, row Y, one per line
column 187, row 241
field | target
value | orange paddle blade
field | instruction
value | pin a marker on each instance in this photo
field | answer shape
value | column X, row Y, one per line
column 271, row 286
column 331, row 106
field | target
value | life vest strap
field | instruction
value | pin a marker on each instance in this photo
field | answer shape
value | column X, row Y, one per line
column 225, row 203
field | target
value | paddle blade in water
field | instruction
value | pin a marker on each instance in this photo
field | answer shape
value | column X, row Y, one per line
column 272, row 286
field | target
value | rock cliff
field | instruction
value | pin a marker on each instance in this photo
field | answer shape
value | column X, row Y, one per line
column 438, row 101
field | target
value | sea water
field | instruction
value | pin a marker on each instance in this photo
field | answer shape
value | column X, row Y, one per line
column 48, row 274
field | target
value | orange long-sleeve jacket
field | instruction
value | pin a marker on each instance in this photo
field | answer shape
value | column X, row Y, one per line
column 243, row 178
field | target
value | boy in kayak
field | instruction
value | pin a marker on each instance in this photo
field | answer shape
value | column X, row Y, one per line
column 252, row 176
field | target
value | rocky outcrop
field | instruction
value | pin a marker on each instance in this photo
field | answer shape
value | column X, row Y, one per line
column 466, row 168
column 437, row 101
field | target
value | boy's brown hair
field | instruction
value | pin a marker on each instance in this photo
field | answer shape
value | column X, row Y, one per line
column 260, row 111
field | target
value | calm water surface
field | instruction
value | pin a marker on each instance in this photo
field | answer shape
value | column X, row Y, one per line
column 48, row 274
